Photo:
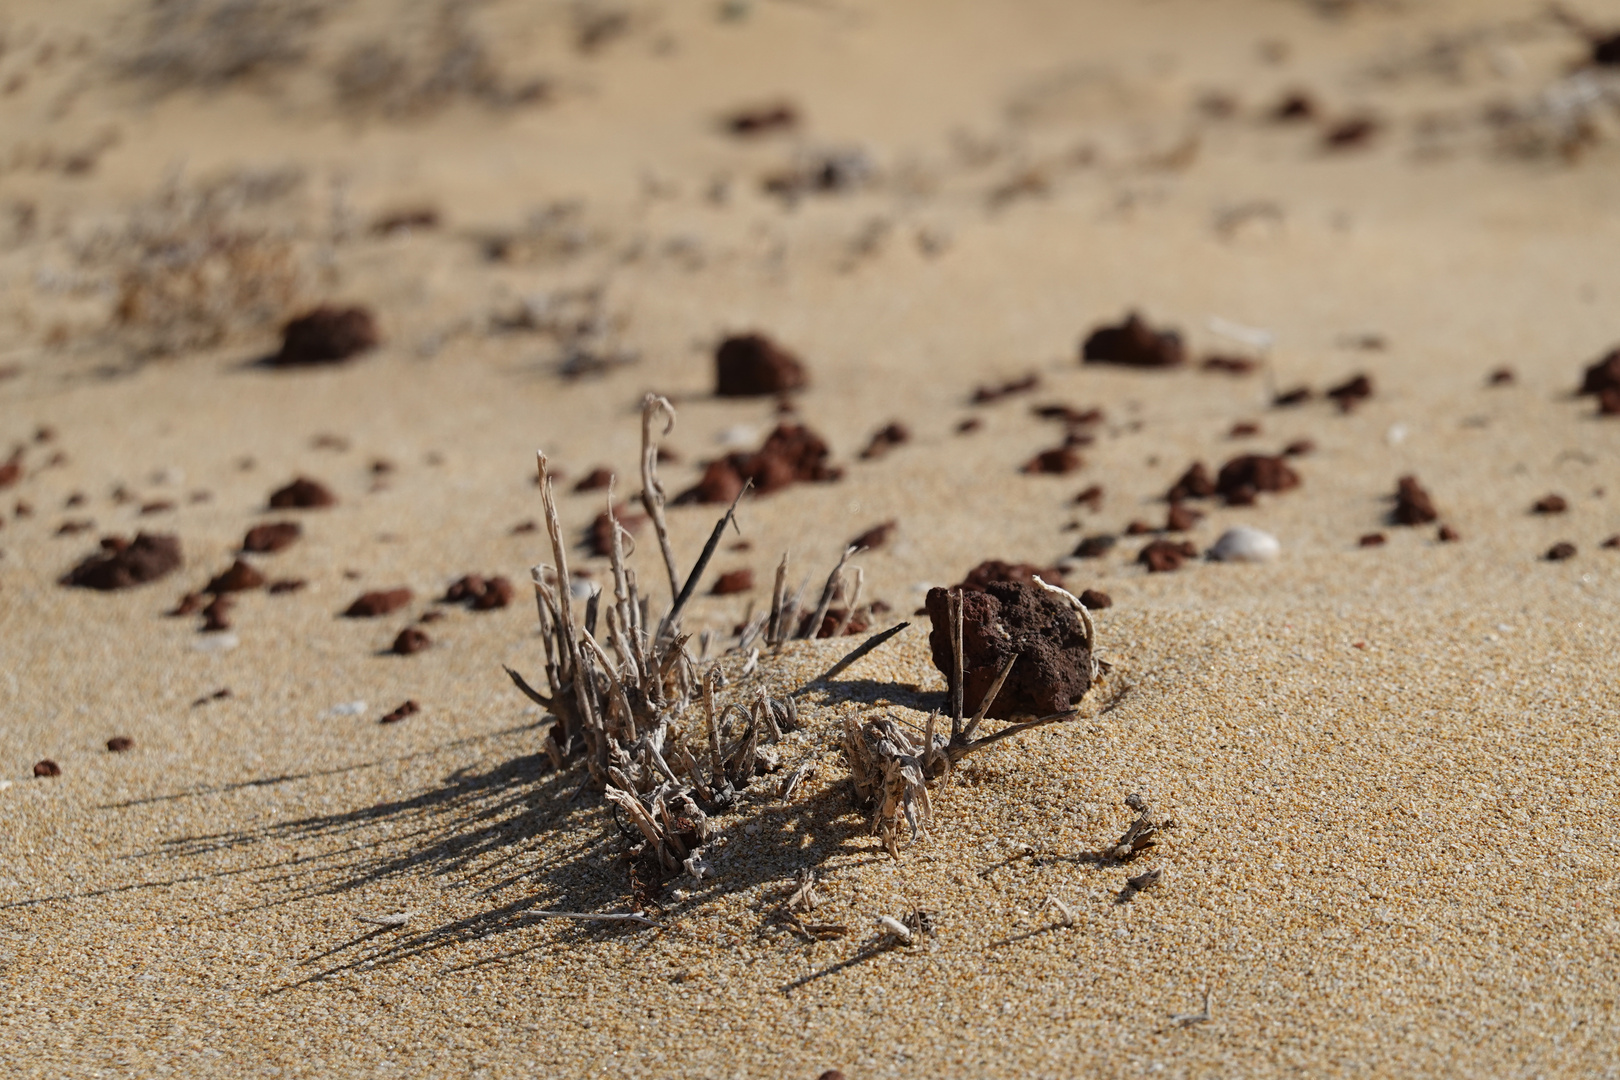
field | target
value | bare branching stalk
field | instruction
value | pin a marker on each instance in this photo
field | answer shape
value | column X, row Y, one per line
column 652, row 492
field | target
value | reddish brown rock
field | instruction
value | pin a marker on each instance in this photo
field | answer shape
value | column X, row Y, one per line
column 409, row 642
column 885, row 439
column 1195, row 483
column 791, row 454
column 1240, row 478
column 302, row 494
column 1560, row 551
column 1413, row 506
column 122, row 564
column 1550, row 504
column 1231, row 365
column 1007, row 619
column 1054, row 462
column 326, row 335
column 47, row 768
column 1376, row 539
column 599, row 538
column 763, row 119
column 481, row 593
column 241, row 577
column 1352, row 392
column 118, row 744
column 1163, row 556
column 1299, row 448
column 381, row 602
column 11, row 470
column 752, row 365
column 875, row 537
column 1447, row 535
column 1180, row 518
column 595, row 480
column 988, row 393
column 736, row 581
column 286, row 585
column 271, row 537
column 994, row 571
column 400, row 712
column 217, row 615
column 1603, row 374
column 1133, row 343
column 1096, row 599
column 1095, row 547
column 1502, row 376
column 1091, row 498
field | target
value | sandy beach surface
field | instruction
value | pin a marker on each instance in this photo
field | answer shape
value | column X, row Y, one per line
column 1391, row 766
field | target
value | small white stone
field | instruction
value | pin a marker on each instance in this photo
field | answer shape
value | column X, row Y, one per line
column 582, row 590
column 215, row 643
column 1244, row 544
column 347, row 708
column 738, row 435
column 1396, row 434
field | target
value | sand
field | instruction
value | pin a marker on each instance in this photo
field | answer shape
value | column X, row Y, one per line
column 1391, row 767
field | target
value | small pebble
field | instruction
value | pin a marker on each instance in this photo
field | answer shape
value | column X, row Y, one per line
column 1245, row 544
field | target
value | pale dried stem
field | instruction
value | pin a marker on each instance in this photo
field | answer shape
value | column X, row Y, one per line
column 652, row 492
column 775, row 635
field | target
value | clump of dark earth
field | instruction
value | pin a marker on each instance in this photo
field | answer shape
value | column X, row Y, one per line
column 1231, row 365
column 1502, row 376
column 217, row 615
column 599, row 537
column 1351, row 133
column 875, row 537
column 1612, row 542
column 1603, row 374
column 595, row 480
column 1609, row 403
column 1181, row 518
column 1606, row 50
column 1054, row 462
column 524, row 527
column 987, row 393
column 120, row 743
column 1243, row 429
column 286, row 585
column 995, row 572
column 157, row 506
column 1294, row 107
column 791, row 454
column 824, row 173
column 1376, row 539
column 1091, row 498
column 1550, row 504
column 859, row 623
column 1162, row 556
column 968, row 426
column 189, row 604
column 1352, row 392
column 735, row 581
column 1070, row 415
column 1133, row 343
column 1241, row 478
column 326, row 335
column 1095, row 547
column 1413, row 506
column 11, row 470
column 409, row 642
column 404, row 709
column 1007, row 619
column 1560, row 551
column 1096, row 599
column 1138, row 527
column 1195, row 483
column 405, row 219
column 763, row 119
column 480, row 593
column 122, row 564
column 47, row 768
column 1299, row 448
column 885, row 439
column 222, row 694
column 74, row 528
column 271, row 537
column 752, row 365
column 302, row 494
column 1299, row 395
column 239, row 578
column 381, row 602
column 1447, row 535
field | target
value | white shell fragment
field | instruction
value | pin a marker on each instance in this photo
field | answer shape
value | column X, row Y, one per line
column 1244, row 544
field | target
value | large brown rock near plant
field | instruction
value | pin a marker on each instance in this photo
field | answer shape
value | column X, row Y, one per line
column 1053, row 670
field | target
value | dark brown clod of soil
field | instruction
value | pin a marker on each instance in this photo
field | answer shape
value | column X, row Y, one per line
column 1095, row 547
column 994, row 572
column 595, row 480
column 217, row 615
column 1609, row 403
column 405, row 219
column 1299, row 448
column 1096, row 599
column 373, row 604
column 752, row 365
column 599, row 538
column 74, row 528
column 1502, row 376
column 758, row 120
column 47, row 767
column 1181, row 518
column 1004, row 620
column 1606, row 50
column 888, row 437
column 1299, row 395
column 1413, row 506
column 122, row 564
column 11, row 470
column 271, row 537
column 1603, row 374
column 157, row 506
column 1561, row 551
column 859, row 623
column 302, row 494
column 189, row 604
column 1091, row 498
column 1139, row 528
column 1070, row 415
column 409, row 642
column 1242, row 477
column 1133, row 343
column 239, row 578
column 1447, row 535
column 734, row 581
column 1550, row 504
column 988, row 393
column 1295, row 106
column 1195, row 483
column 1376, row 539
column 523, row 528
column 326, row 335
column 791, row 454
column 118, row 744
column 968, row 426
column 1352, row 392
column 1357, row 131
column 1244, row 429
column 1055, row 462
column 286, row 585
column 875, row 537
column 1612, row 542
column 481, row 593
column 404, row 709
column 1231, row 365
column 1162, row 556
